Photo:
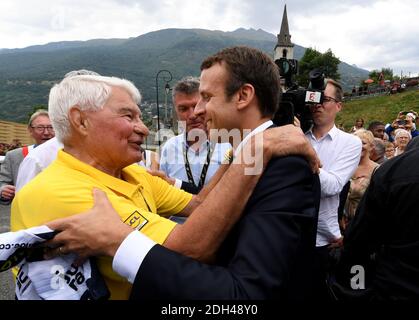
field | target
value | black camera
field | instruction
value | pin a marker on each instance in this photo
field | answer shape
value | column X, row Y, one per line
column 296, row 100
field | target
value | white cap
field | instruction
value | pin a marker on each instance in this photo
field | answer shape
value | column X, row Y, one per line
column 411, row 115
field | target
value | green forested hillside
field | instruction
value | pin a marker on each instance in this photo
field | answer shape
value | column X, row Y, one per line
column 26, row 75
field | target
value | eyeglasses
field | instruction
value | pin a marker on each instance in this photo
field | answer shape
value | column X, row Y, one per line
column 327, row 99
column 42, row 128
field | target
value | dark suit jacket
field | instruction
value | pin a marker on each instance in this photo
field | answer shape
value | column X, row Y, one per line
column 268, row 254
column 383, row 237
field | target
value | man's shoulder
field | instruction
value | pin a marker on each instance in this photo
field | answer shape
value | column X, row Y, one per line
column 173, row 142
column 50, row 146
column 15, row 153
column 136, row 171
column 348, row 140
column 401, row 168
column 288, row 165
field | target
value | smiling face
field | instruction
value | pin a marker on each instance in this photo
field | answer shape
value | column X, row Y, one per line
column 185, row 107
column 402, row 139
column 219, row 111
column 116, row 132
column 378, row 131
column 41, row 129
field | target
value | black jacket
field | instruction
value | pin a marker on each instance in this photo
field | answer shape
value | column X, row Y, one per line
column 383, row 237
column 268, row 254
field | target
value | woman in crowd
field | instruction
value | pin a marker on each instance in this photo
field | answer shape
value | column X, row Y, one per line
column 359, row 124
column 362, row 176
column 401, row 138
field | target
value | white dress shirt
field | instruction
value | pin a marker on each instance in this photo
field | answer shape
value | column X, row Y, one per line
column 339, row 153
column 258, row 129
column 135, row 247
column 36, row 161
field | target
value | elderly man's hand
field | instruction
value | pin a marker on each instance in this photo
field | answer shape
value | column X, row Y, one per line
column 290, row 140
column 8, row 192
column 98, row 231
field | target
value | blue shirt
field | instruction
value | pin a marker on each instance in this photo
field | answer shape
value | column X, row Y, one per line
column 172, row 160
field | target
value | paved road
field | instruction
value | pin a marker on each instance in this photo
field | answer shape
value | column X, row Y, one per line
column 7, row 287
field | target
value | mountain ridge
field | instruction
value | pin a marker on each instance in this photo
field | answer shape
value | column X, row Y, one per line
column 26, row 74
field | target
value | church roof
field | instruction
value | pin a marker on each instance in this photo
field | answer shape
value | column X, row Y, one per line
column 284, row 37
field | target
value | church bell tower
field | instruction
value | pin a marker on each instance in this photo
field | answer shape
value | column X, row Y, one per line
column 284, row 47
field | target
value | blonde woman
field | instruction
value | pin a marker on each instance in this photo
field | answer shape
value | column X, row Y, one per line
column 362, row 176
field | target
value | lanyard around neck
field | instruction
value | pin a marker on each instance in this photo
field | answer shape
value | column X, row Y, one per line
column 204, row 168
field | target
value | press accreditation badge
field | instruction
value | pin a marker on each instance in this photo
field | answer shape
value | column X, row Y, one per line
column 136, row 220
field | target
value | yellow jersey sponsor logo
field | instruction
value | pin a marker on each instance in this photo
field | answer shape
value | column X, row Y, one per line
column 136, row 220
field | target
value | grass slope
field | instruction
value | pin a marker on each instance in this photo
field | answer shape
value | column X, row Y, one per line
column 382, row 108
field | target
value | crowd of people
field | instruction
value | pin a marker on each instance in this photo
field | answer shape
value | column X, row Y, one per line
column 5, row 147
column 234, row 207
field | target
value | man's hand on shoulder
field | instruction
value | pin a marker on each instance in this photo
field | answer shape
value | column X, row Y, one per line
column 98, row 231
column 289, row 140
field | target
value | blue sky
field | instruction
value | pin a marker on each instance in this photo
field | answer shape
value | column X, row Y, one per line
column 371, row 34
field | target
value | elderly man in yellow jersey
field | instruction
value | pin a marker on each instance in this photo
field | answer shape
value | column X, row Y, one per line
column 99, row 123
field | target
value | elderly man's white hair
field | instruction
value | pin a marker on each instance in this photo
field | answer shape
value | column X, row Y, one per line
column 80, row 73
column 89, row 92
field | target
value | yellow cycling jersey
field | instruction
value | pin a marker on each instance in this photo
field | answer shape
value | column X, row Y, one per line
column 65, row 188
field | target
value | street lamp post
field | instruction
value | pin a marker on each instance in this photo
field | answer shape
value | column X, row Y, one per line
column 167, row 78
column 167, row 91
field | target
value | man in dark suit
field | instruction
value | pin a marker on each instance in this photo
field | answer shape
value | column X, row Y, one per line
column 380, row 260
column 269, row 253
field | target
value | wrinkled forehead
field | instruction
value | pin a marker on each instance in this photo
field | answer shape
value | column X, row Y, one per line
column 403, row 135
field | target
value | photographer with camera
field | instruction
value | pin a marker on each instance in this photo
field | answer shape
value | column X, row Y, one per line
column 340, row 154
column 405, row 120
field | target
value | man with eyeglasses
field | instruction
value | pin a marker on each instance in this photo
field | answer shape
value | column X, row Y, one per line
column 41, row 130
column 339, row 153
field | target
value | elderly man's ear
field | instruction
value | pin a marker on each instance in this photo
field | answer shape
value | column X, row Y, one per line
column 78, row 120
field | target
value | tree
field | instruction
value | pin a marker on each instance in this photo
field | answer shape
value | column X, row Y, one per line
column 314, row 59
column 387, row 73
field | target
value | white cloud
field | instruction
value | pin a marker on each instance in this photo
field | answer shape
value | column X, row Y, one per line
column 371, row 34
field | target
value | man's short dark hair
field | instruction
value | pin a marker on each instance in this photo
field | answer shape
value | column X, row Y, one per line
column 187, row 85
column 375, row 124
column 252, row 66
column 338, row 89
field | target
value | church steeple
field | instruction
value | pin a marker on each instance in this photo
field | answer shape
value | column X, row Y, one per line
column 284, row 47
column 284, row 37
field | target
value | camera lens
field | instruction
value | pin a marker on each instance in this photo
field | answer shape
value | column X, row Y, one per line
column 317, row 79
